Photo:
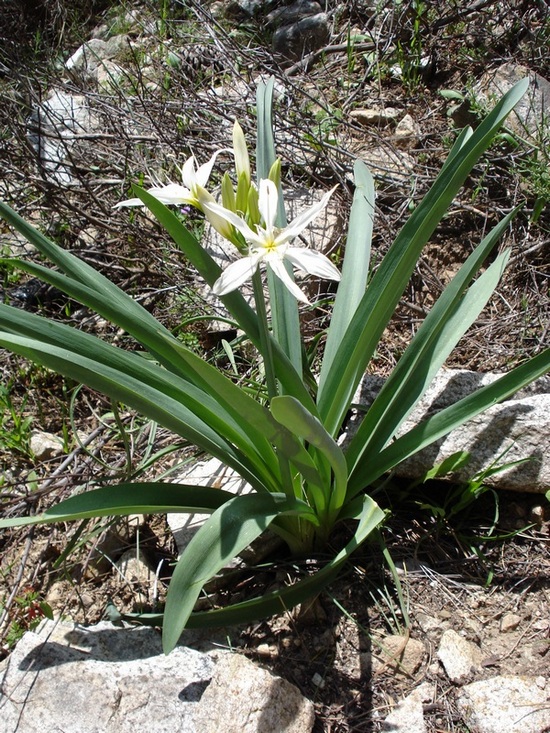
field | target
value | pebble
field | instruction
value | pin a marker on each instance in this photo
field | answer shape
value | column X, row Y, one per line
column 509, row 622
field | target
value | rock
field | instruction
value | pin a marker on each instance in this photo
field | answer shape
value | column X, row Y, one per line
column 505, row 704
column 53, row 130
column 87, row 58
column 306, row 35
column 519, row 425
column 243, row 698
column 509, row 622
column 378, row 117
column 458, row 656
column 106, row 679
column 408, row 715
column 390, row 167
column 100, row 680
column 398, row 654
column 286, row 15
column 407, row 133
column 45, row 445
column 530, row 116
column 203, row 473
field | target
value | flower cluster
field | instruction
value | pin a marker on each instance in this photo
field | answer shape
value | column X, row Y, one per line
column 246, row 217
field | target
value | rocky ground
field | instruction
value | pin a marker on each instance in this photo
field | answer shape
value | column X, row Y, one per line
column 390, row 83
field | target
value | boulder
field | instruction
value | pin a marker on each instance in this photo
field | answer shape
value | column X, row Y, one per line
column 514, row 430
column 106, row 679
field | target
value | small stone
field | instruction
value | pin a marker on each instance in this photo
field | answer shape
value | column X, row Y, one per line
column 408, row 715
column 369, row 117
column 407, row 133
column 509, row 622
column 318, row 681
column 399, row 655
column 458, row 656
column 45, row 445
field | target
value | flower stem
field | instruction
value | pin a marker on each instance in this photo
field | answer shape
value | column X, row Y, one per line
column 265, row 340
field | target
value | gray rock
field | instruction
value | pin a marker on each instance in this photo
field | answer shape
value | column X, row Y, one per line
column 306, row 35
column 532, row 113
column 45, row 445
column 506, row 704
column 459, row 657
column 106, row 679
column 286, row 15
column 518, row 427
column 88, row 57
column 371, row 116
column 235, row 701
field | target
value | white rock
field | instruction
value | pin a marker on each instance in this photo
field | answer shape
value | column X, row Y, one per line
column 106, row 679
column 243, row 698
column 100, row 680
column 520, row 425
column 45, row 445
column 458, row 656
column 509, row 622
column 505, row 704
column 377, row 116
column 408, row 715
column 407, row 133
column 210, row 473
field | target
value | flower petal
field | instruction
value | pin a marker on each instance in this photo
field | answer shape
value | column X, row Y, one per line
column 235, row 275
column 312, row 262
column 129, row 202
column 242, row 161
column 173, row 194
column 278, row 267
column 239, row 224
column 267, row 203
column 303, row 220
column 188, row 175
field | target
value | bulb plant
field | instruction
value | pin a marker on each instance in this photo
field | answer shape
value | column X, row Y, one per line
column 285, row 440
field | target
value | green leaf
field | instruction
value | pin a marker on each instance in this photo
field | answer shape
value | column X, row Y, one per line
column 383, row 293
column 438, row 425
column 129, row 498
column 284, row 309
column 290, row 413
column 355, row 269
column 370, row 516
column 449, row 319
column 224, row 535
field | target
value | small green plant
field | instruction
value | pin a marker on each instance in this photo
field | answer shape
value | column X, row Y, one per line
column 15, row 426
column 282, row 438
column 26, row 612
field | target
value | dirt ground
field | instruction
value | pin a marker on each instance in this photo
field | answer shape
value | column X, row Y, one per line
column 484, row 574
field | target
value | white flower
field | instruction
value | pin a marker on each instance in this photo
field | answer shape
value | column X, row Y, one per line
column 192, row 191
column 269, row 245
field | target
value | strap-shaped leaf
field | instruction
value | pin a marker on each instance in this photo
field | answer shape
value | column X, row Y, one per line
column 224, row 535
column 129, row 498
column 290, row 413
column 147, row 399
column 448, row 419
column 284, row 308
column 385, row 289
column 446, row 323
column 355, row 268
